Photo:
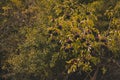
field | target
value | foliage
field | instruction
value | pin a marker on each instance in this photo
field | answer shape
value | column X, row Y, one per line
column 59, row 40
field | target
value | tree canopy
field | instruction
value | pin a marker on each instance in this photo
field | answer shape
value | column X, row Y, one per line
column 59, row 39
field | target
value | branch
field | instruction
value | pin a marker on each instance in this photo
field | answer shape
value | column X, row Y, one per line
column 95, row 74
column 115, row 62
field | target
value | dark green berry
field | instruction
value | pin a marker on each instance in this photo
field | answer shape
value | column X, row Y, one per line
column 67, row 16
column 66, row 50
column 60, row 27
column 50, row 31
column 55, row 33
column 76, row 36
column 87, row 44
column 69, row 41
column 83, row 40
column 103, row 40
column 87, row 13
column 71, row 48
column 96, row 38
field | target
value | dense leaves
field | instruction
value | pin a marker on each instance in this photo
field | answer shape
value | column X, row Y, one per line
column 59, row 40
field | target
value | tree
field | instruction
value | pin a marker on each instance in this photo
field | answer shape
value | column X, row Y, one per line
column 14, row 14
column 69, row 39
